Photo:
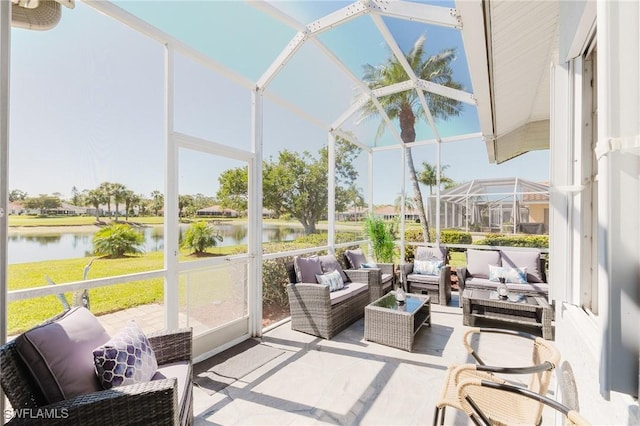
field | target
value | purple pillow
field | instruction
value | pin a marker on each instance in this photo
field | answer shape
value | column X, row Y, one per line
column 329, row 263
column 58, row 354
column 355, row 257
column 307, row 268
column 125, row 359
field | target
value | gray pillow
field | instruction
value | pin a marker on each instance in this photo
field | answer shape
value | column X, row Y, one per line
column 60, row 354
column 529, row 259
column 329, row 263
column 478, row 262
column 426, row 253
column 307, row 268
column 355, row 257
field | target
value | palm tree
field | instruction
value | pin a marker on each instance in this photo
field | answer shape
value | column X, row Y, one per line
column 95, row 198
column 408, row 203
column 428, row 176
column 158, row 201
column 119, row 191
column 105, row 187
column 130, row 200
column 406, row 106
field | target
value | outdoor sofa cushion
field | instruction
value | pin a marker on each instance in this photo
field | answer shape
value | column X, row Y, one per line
column 348, row 291
column 59, row 354
column 307, row 268
column 181, row 370
column 542, row 288
column 524, row 259
column 478, row 262
column 427, row 253
column 356, row 258
column 329, row 263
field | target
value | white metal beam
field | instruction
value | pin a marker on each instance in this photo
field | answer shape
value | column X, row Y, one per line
column 394, row 88
column 255, row 215
column 171, row 304
column 338, row 18
column 331, row 196
column 428, row 14
column 351, row 138
column 296, row 110
column 287, row 53
column 202, row 145
column 5, row 59
column 449, row 92
column 355, row 107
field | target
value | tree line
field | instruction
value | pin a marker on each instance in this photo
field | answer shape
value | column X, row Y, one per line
column 112, row 194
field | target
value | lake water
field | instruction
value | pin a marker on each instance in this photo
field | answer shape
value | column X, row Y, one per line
column 68, row 245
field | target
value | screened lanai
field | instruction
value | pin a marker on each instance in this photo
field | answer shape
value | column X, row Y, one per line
column 506, row 205
column 163, row 81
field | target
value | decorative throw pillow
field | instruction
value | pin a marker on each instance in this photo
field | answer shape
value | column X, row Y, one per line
column 368, row 265
column 515, row 275
column 333, row 280
column 355, row 257
column 329, row 263
column 427, row 267
column 495, row 273
column 307, row 268
column 125, row 359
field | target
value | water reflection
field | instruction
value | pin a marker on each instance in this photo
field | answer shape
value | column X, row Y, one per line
column 25, row 247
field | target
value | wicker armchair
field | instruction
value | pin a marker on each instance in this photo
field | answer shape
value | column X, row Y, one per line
column 437, row 286
column 545, row 357
column 380, row 279
column 155, row 402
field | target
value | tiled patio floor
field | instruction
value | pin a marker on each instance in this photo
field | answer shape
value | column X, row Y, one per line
column 349, row 381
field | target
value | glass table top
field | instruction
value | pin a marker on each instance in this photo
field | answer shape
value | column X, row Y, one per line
column 411, row 305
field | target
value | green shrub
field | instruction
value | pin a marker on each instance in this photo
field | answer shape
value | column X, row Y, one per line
column 536, row 241
column 200, row 236
column 116, row 240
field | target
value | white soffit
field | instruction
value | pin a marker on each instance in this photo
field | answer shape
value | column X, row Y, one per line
column 521, row 38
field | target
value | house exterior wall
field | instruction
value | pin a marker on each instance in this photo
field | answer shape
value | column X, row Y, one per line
column 536, row 213
column 595, row 195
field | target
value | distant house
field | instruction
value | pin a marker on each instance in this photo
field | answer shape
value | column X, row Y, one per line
column 217, row 211
column 67, row 209
column 268, row 213
column 352, row 214
column 388, row 212
column 16, row 207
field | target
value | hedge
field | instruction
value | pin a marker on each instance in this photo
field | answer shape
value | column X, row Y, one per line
column 447, row 236
column 535, row 241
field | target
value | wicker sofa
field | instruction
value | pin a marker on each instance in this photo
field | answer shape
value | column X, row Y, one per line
column 476, row 273
column 316, row 310
column 437, row 286
column 164, row 400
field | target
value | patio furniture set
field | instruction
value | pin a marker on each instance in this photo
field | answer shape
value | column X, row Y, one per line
column 363, row 287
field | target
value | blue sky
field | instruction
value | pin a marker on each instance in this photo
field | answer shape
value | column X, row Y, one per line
column 87, row 98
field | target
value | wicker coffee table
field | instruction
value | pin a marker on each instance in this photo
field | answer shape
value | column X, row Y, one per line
column 518, row 309
column 388, row 323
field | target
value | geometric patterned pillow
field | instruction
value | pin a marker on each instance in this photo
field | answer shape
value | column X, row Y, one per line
column 333, row 280
column 495, row 273
column 427, row 267
column 125, row 359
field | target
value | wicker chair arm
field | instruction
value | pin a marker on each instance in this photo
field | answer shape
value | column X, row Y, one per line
column 172, row 346
column 313, row 296
column 154, row 402
column 363, row 275
column 387, row 268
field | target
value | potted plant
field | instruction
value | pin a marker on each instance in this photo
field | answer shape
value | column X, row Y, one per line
column 382, row 235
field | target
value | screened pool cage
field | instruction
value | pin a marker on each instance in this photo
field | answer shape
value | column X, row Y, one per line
column 282, row 75
column 506, row 205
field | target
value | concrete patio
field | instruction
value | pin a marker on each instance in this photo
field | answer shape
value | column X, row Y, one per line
column 348, row 380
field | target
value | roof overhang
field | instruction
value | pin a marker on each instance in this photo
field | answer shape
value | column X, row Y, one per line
column 510, row 47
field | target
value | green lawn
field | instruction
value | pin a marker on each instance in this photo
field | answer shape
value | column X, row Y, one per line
column 23, row 220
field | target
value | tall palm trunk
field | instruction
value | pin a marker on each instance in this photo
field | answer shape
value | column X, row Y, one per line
column 408, row 135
